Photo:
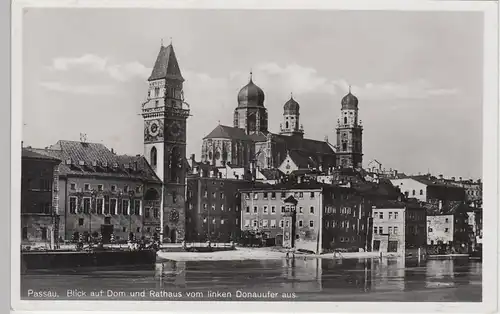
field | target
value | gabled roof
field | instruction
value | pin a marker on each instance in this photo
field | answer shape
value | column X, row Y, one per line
column 224, row 131
column 95, row 159
column 290, row 199
column 166, row 65
column 302, row 159
column 28, row 154
column 304, row 144
column 271, row 174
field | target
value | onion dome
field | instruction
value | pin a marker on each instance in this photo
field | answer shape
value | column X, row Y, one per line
column 350, row 101
column 251, row 95
column 291, row 106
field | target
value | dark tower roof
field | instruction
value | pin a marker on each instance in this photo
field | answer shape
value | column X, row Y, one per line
column 291, row 105
column 251, row 95
column 349, row 101
column 166, row 65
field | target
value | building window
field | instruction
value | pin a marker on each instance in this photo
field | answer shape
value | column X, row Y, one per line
column 213, row 207
column 125, row 207
column 273, row 195
column 214, row 195
column 222, row 207
column 146, row 212
column 421, row 192
column 126, row 189
column 138, row 229
column 301, row 209
column 72, row 204
column 137, row 207
column 282, row 209
column 154, row 156
column 380, row 230
column 389, row 230
column 281, row 223
column 273, row 209
column 381, row 215
column 413, row 192
column 248, row 209
column 255, row 196
column 311, row 223
column 44, row 233
column 312, row 194
column 301, row 194
column 72, row 186
column 265, row 210
column 283, row 194
column 221, row 195
column 80, row 221
column 100, row 187
column 138, row 189
column 247, row 196
column 390, row 215
column 222, row 221
column 446, row 230
column 107, row 220
column 375, row 230
column 301, row 223
column 99, row 205
column 156, row 213
column 112, row 206
column 265, row 195
column 395, row 215
column 254, row 223
column 287, row 223
column 395, row 230
column 113, row 188
column 446, row 220
column 311, row 210
column 264, row 223
column 247, row 223
column 86, row 187
column 86, row 205
column 255, row 209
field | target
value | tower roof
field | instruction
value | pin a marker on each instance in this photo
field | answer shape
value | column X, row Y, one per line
column 291, row 105
column 166, row 65
column 350, row 101
column 251, row 95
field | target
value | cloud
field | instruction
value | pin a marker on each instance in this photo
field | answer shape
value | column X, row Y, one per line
column 417, row 89
column 96, row 64
column 78, row 89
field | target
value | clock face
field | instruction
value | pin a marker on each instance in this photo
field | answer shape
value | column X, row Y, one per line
column 154, row 129
column 175, row 129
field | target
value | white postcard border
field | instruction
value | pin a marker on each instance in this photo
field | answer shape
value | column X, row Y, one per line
column 490, row 159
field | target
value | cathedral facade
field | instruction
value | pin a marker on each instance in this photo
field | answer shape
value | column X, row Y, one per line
column 249, row 140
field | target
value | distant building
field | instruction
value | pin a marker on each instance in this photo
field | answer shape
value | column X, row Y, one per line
column 249, row 139
column 213, row 208
column 102, row 193
column 430, row 190
column 39, row 198
column 451, row 231
column 398, row 227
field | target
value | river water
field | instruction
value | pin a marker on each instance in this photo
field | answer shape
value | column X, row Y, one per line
column 449, row 280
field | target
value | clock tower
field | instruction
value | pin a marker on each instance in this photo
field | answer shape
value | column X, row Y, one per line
column 165, row 114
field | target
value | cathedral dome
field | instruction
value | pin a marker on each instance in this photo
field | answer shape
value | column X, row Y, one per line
column 350, row 101
column 251, row 95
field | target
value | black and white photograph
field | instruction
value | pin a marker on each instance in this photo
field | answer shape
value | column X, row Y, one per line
column 255, row 154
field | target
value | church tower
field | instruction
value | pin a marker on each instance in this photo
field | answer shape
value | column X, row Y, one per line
column 165, row 114
column 251, row 115
column 349, row 134
column 291, row 123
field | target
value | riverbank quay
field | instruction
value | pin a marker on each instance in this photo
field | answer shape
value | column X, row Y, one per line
column 243, row 253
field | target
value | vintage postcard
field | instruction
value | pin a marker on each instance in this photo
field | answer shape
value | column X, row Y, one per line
column 287, row 155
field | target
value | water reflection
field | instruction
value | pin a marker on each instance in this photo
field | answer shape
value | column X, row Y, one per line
column 313, row 279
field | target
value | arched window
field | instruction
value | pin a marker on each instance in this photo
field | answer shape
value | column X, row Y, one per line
column 286, row 124
column 421, row 192
column 344, row 146
column 413, row 192
column 345, row 120
column 153, row 156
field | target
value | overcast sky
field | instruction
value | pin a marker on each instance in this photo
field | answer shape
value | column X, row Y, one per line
column 418, row 76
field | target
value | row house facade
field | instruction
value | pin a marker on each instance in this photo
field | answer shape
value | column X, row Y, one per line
column 39, row 198
column 103, row 194
column 307, row 215
column 398, row 227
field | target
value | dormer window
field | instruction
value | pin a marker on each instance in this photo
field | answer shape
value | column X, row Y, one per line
column 113, row 188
